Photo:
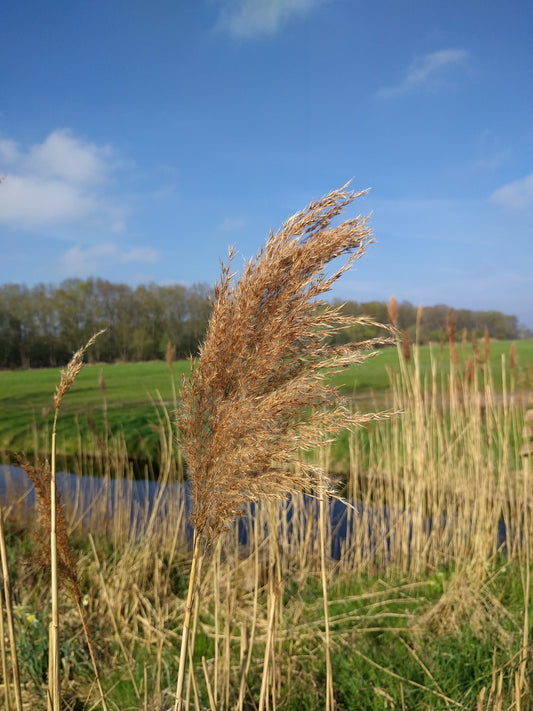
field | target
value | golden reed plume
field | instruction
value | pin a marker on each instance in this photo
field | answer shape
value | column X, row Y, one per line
column 259, row 393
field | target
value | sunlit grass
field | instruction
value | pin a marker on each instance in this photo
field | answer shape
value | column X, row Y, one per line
column 132, row 388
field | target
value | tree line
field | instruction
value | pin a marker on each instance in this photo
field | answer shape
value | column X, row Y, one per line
column 432, row 322
column 44, row 325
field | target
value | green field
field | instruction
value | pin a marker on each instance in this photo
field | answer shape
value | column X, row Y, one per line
column 133, row 394
column 137, row 393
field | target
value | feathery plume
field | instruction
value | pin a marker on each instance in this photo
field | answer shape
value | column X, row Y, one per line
column 258, row 394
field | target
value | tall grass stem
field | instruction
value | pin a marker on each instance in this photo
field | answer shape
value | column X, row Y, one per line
column 189, row 605
column 10, row 623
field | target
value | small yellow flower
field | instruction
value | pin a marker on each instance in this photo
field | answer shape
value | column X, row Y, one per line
column 30, row 619
column 85, row 601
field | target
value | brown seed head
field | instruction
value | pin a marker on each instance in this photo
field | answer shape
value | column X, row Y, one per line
column 41, row 479
column 419, row 313
column 406, row 347
column 170, row 356
column 74, row 366
column 450, row 327
column 257, row 395
column 393, row 310
column 512, row 356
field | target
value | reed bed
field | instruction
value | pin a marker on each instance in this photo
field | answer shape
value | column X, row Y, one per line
column 407, row 586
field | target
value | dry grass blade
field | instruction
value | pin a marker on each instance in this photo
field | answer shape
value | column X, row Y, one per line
column 259, row 393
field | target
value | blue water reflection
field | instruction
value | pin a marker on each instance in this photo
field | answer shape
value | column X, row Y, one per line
column 372, row 528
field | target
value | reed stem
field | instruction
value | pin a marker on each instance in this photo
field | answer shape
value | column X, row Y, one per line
column 330, row 698
column 10, row 623
column 54, row 683
column 191, row 594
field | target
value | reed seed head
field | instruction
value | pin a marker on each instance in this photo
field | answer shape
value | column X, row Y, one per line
column 450, row 327
column 512, row 357
column 41, row 479
column 170, row 356
column 419, row 314
column 73, row 368
column 258, row 394
column 393, row 311
column 406, row 347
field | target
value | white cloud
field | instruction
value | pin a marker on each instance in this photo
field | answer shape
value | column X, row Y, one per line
column 87, row 261
column 515, row 195
column 68, row 158
column 30, row 201
column 56, row 181
column 246, row 18
column 426, row 71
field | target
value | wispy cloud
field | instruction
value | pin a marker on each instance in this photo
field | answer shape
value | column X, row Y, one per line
column 232, row 224
column 60, row 180
column 491, row 155
column 515, row 195
column 247, row 18
column 426, row 72
column 88, row 261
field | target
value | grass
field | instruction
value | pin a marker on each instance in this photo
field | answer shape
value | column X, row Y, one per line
column 382, row 656
column 133, row 391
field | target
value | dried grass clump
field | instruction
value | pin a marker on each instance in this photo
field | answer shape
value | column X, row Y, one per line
column 258, row 394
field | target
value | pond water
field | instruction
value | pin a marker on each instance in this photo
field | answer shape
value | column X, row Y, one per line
column 93, row 502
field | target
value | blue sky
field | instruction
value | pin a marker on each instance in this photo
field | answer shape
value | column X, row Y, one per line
column 139, row 139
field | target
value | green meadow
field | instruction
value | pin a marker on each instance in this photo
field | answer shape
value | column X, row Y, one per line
column 132, row 395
